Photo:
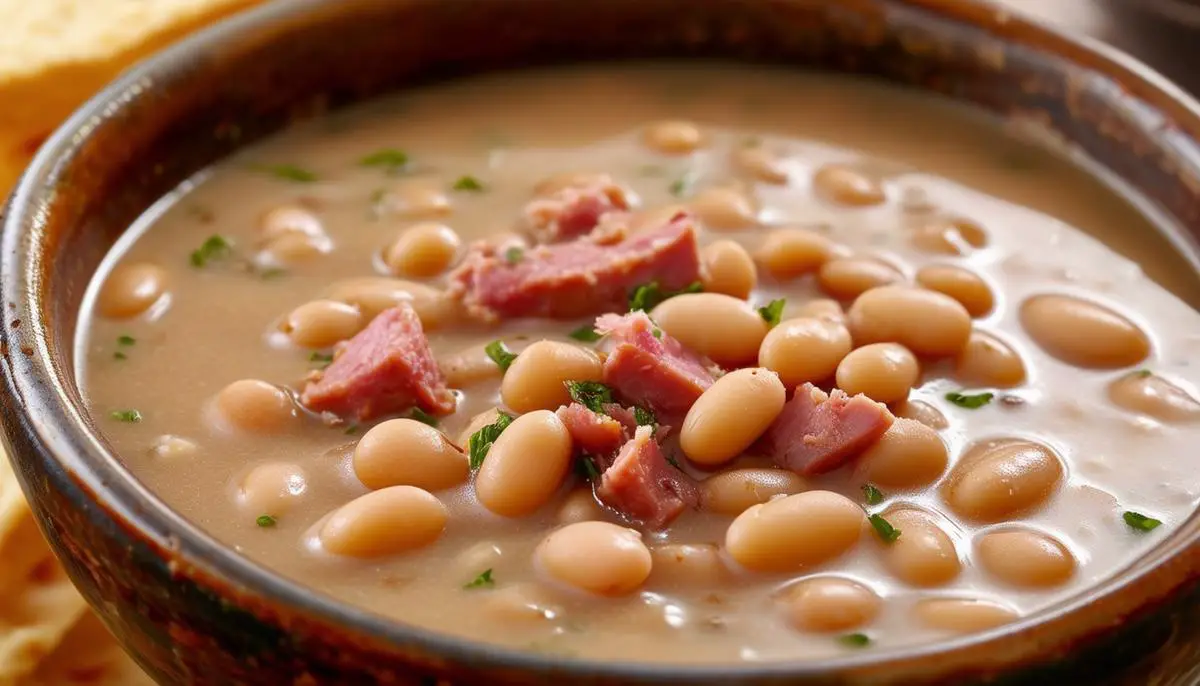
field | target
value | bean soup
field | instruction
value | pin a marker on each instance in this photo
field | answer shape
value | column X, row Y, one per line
column 658, row 363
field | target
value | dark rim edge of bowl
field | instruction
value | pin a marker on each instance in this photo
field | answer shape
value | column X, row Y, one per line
column 36, row 384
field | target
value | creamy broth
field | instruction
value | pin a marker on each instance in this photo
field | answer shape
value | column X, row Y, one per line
column 168, row 353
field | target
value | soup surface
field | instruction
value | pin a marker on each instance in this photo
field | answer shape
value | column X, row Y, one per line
column 658, row 363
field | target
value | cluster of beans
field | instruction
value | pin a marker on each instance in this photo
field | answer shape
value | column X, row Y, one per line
column 894, row 323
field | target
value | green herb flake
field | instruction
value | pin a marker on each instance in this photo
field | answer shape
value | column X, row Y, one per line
column 265, row 521
column 287, row 172
column 657, row 332
column 585, row 334
column 320, row 360
column 586, row 467
column 468, row 183
column 351, row 430
column 214, row 248
column 514, row 255
column 1143, row 373
column 970, row 402
column 591, row 394
column 680, row 187
column 390, row 159
column 481, row 441
column 127, row 416
column 855, row 640
column 126, row 340
column 268, row 273
column 871, row 494
column 484, row 580
column 773, row 312
column 648, row 296
column 424, row 417
column 1141, row 522
column 500, row 354
column 887, row 533
column 673, row 461
column 643, row 416
column 118, row 355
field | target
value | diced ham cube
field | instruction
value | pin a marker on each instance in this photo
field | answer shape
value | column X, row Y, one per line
column 573, row 211
column 819, row 432
column 593, row 434
column 644, row 487
column 652, row 370
column 385, row 369
column 577, row 278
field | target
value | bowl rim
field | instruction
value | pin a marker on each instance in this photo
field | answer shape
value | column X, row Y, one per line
column 48, row 420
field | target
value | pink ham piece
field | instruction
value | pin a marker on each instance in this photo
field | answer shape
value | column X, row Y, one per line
column 819, row 432
column 577, row 278
column 594, row 434
column 573, row 211
column 649, row 370
column 643, row 486
column 387, row 368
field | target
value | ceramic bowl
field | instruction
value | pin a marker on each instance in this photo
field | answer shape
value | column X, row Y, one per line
column 194, row 612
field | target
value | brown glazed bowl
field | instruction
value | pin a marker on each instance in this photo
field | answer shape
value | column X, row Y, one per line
column 194, row 612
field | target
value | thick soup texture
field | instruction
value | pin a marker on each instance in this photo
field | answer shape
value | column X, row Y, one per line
column 658, row 363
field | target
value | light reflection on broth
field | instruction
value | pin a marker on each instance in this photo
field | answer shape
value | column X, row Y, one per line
column 804, row 187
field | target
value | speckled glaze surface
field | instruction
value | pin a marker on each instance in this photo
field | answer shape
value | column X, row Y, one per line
column 195, row 613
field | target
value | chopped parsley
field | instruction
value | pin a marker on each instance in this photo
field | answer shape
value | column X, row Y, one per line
column 500, row 354
column 970, row 402
column 481, row 441
column 643, row 416
column 657, row 333
column 214, row 248
column 287, row 172
column 585, row 333
column 871, row 494
column 320, row 360
column 591, row 394
column 424, row 417
column 514, row 255
column 351, row 430
column 267, row 273
column 647, row 296
column 265, row 521
column 468, row 183
column 123, row 341
column 887, row 532
column 855, row 640
column 484, row 580
column 1141, row 522
column 586, row 466
column 673, row 461
column 393, row 161
column 127, row 416
column 682, row 186
column 1142, row 373
column 773, row 312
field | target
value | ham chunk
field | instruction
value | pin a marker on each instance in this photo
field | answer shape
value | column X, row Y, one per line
column 594, row 434
column 652, row 370
column 644, row 487
column 819, row 432
column 387, row 368
column 573, row 211
column 577, row 278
